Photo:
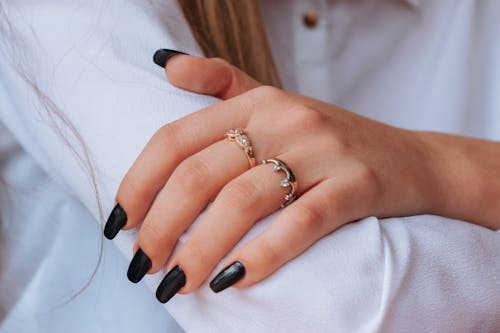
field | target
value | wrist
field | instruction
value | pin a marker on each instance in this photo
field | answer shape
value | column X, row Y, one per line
column 436, row 171
column 426, row 171
column 463, row 177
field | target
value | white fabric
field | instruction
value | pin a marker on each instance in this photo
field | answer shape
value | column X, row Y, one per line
column 46, row 267
column 417, row 64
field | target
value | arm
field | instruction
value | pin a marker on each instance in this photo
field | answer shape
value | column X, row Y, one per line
column 117, row 100
column 349, row 167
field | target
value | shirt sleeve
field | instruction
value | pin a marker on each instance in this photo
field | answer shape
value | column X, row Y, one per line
column 80, row 93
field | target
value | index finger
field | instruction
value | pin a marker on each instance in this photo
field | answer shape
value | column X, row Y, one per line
column 169, row 146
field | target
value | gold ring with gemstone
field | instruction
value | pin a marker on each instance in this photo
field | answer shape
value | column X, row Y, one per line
column 239, row 136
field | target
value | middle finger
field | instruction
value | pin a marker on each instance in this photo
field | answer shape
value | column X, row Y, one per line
column 240, row 204
column 192, row 185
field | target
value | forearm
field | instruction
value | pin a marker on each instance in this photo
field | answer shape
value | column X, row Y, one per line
column 465, row 178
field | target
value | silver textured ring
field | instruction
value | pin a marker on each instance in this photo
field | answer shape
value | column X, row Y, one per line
column 239, row 136
column 289, row 181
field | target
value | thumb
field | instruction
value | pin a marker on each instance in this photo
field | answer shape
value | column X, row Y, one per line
column 209, row 76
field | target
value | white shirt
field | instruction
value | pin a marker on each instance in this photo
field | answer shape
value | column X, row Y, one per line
column 416, row 64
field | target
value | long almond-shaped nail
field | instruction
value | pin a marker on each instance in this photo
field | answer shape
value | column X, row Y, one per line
column 139, row 266
column 228, row 276
column 116, row 220
column 171, row 284
column 162, row 56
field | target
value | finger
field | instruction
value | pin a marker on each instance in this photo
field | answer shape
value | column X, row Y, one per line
column 317, row 213
column 242, row 202
column 173, row 143
column 245, row 200
column 209, row 76
column 192, row 185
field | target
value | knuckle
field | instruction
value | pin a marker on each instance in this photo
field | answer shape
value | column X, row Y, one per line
column 253, row 101
column 307, row 116
column 220, row 61
column 191, row 173
column 308, row 217
column 151, row 235
column 267, row 93
column 197, row 256
column 240, row 194
column 196, row 262
column 303, row 118
column 157, row 244
column 270, row 255
column 314, row 118
column 167, row 136
column 339, row 144
column 338, row 139
column 366, row 175
column 131, row 189
column 222, row 74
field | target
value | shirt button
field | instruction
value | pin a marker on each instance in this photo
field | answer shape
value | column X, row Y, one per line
column 310, row 18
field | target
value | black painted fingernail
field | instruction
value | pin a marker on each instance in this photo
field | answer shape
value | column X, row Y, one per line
column 163, row 55
column 228, row 276
column 139, row 266
column 116, row 220
column 171, row 284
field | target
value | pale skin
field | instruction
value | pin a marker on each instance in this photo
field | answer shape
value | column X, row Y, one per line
column 348, row 167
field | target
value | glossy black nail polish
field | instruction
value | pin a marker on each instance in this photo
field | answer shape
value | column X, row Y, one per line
column 228, row 276
column 171, row 284
column 139, row 266
column 116, row 220
column 162, row 56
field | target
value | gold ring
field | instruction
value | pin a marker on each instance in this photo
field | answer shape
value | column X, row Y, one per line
column 239, row 136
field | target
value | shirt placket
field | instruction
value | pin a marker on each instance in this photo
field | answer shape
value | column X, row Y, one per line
column 311, row 42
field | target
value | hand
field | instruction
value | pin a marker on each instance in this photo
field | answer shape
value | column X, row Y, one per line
column 348, row 167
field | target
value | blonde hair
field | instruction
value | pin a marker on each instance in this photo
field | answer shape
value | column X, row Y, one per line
column 233, row 30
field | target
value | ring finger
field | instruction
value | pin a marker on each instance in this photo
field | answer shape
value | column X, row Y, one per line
column 243, row 201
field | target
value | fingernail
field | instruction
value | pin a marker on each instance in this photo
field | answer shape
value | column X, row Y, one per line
column 163, row 55
column 139, row 266
column 116, row 220
column 171, row 284
column 228, row 276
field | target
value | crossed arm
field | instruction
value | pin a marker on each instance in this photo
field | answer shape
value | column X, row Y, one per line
column 374, row 274
column 348, row 167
